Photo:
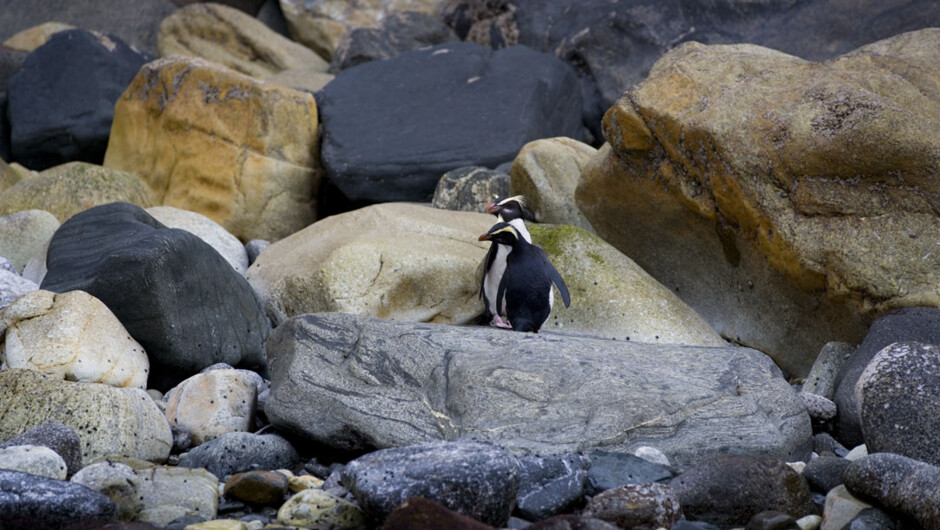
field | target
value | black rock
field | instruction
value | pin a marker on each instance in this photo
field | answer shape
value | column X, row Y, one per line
column 824, row 443
column 729, row 490
column 235, row 452
column 470, row 189
column 425, row 514
column 825, row 472
column 398, row 33
column 900, row 408
column 248, row 6
column 38, row 503
column 62, row 100
column 609, row 470
column 915, row 324
column 4, row 129
column 173, row 292
column 899, row 484
column 56, row 436
column 874, row 519
column 391, row 128
column 273, row 17
column 136, row 23
column 693, row 525
column 474, row 479
column 181, row 523
column 772, row 520
column 551, row 484
column 571, row 522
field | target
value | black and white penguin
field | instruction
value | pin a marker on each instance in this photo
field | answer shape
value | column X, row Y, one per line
column 509, row 210
column 526, row 286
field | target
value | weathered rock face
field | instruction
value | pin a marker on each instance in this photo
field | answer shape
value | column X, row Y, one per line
column 398, row 33
column 900, row 484
column 322, row 25
column 392, row 128
column 62, row 101
column 546, row 173
column 612, row 297
column 108, row 420
column 172, row 292
column 395, row 260
column 802, row 195
column 362, row 383
column 232, row 38
column 24, row 234
column 237, row 150
column 73, row 336
column 71, row 188
column 470, row 189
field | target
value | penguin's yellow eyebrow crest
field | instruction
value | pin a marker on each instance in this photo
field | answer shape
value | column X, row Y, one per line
column 518, row 198
column 509, row 229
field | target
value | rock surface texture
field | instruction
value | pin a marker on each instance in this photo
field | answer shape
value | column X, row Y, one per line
column 358, row 383
column 237, row 150
column 392, row 128
column 807, row 186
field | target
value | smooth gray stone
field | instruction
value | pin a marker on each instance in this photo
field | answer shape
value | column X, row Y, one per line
column 898, row 484
column 235, row 452
column 38, row 503
column 56, row 436
column 359, row 383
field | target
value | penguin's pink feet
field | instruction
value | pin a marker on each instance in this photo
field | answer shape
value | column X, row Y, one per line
column 498, row 322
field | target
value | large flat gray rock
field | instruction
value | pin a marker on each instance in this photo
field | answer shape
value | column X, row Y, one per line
column 360, row 383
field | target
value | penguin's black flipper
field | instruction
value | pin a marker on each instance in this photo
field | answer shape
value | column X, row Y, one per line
column 559, row 282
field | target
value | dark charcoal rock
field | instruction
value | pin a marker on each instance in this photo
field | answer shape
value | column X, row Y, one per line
column 550, row 484
column 173, row 292
column 825, row 472
column 425, row 514
column 475, row 479
column 729, row 490
column 693, row 525
column 609, row 470
column 62, row 100
column 638, row 506
column 772, row 520
column 571, row 522
column 255, row 247
column 914, row 324
column 824, row 443
column 248, row 6
column 236, row 452
column 398, row 33
column 29, row 501
column 900, row 408
column 392, row 128
column 135, row 23
column 56, row 436
column 898, row 483
column 874, row 519
column 5, row 153
column 182, row 522
column 271, row 14
column 470, row 189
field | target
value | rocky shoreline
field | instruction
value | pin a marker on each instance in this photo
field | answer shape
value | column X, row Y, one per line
column 240, row 273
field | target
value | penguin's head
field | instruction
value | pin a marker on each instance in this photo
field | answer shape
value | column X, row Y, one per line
column 508, row 208
column 503, row 233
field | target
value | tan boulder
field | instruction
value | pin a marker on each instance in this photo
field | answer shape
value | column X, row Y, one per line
column 31, row 38
column 237, row 150
column 213, row 403
column 8, row 176
column 24, row 235
column 108, row 420
column 547, row 172
column 232, row 38
column 322, row 24
column 612, row 297
column 394, row 260
column 306, row 79
column 74, row 187
column 73, row 336
column 788, row 202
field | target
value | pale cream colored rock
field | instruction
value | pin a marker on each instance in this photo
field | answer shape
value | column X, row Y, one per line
column 546, row 172
column 322, row 24
column 232, row 38
column 24, row 234
column 207, row 230
column 8, row 175
column 213, row 403
column 33, row 459
column 315, row 508
column 31, row 38
column 394, row 260
column 789, row 202
column 172, row 492
column 304, row 482
column 840, row 508
column 611, row 296
column 218, row 524
column 72, row 336
column 116, row 480
column 206, row 139
column 108, row 420
column 306, row 79
column 74, row 187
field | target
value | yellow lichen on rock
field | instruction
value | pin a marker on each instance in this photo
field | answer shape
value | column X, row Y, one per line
column 237, row 150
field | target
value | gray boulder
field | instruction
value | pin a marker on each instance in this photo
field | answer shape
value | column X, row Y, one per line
column 235, row 452
column 550, row 484
column 359, row 383
column 899, row 484
column 474, row 479
column 898, row 393
column 29, row 501
column 56, row 436
column 470, row 189
column 398, row 33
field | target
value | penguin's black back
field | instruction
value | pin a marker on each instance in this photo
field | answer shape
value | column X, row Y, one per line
column 526, row 285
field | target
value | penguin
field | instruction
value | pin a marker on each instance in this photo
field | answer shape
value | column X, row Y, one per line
column 525, row 289
column 509, row 210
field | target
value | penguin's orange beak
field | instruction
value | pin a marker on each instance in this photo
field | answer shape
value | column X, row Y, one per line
column 493, row 208
column 483, row 237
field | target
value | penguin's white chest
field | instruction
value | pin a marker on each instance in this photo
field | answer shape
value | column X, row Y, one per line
column 493, row 276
